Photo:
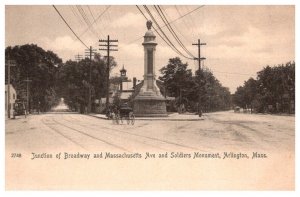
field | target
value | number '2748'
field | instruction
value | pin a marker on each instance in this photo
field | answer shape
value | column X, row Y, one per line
column 16, row 155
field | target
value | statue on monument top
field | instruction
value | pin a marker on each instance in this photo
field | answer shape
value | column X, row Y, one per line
column 149, row 24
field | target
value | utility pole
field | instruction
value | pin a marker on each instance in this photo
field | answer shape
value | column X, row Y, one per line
column 108, row 44
column 199, row 53
column 90, row 52
column 27, row 93
column 9, row 64
column 78, row 57
column 199, row 71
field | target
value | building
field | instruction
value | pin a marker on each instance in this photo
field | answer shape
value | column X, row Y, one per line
column 9, row 102
column 122, row 91
column 127, row 86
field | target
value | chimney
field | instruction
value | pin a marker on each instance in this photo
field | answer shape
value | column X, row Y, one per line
column 134, row 82
column 121, row 86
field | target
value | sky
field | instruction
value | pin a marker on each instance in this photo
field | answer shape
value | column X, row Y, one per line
column 240, row 40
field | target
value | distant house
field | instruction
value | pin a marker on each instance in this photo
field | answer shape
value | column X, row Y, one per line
column 126, row 88
column 123, row 90
column 100, row 107
column 103, row 101
column 11, row 101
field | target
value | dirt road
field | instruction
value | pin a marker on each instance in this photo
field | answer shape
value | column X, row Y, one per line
column 222, row 133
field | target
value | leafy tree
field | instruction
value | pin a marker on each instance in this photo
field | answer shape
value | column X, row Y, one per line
column 272, row 91
column 202, row 88
column 177, row 79
column 213, row 95
column 39, row 66
column 74, row 81
column 245, row 96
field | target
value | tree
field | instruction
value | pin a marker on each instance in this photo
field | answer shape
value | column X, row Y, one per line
column 238, row 97
column 39, row 66
column 74, row 81
column 213, row 96
column 272, row 91
column 245, row 96
column 202, row 88
column 177, row 79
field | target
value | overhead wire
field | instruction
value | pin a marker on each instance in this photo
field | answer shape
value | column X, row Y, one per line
column 176, row 8
column 174, row 33
column 158, row 32
column 169, row 22
column 163, row 33
column 165, row 20
column 69, row 26
column 201, row 6
column 86, row 19
column 95, row 21
column 76, row 15
column 153, row 27
column 178, row 30
column 83, row 14
column 192, row 20
column 158, row 26
column 91, row 12
column 188, row 20
column 194, row 24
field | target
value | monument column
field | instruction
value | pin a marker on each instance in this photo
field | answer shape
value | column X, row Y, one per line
column 149, row 101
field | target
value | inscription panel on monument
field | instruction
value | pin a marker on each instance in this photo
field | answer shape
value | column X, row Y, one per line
column 150, row 107
column 150, row 61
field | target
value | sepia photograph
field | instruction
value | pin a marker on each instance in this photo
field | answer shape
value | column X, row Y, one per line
column 149, row 97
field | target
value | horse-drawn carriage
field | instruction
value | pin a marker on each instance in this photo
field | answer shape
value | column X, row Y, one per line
column 123, row 113
column 19, row 108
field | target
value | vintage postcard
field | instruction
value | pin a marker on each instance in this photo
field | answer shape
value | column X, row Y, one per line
column 150, row 97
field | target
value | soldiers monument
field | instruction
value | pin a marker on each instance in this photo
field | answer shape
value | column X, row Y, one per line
column 149, row 102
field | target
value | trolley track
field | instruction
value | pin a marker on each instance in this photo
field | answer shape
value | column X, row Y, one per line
column 82, row 133
column 60, row 133
column 117, row 135
column 146, row 137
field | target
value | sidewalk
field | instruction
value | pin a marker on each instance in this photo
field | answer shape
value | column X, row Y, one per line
column 170, row 117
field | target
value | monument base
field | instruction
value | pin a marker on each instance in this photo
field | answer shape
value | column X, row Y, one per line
column 149, row 105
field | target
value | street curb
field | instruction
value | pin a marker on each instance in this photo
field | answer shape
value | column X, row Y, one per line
column 96, row 117
column 154, row 119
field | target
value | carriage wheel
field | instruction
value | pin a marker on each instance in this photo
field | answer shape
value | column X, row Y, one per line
column 128, row 119
column 112, row 117
column 132, row 118
column 117, row 119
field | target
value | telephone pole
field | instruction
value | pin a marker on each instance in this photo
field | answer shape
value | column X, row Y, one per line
column 27, row 94
column 199, row 71
column 199, row 53
column 9, row 64
column 90, row 52
column 107, row 47
column 78, row 57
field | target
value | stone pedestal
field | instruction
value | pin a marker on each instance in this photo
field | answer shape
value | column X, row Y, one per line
column 149, row 102
column 149, row 105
